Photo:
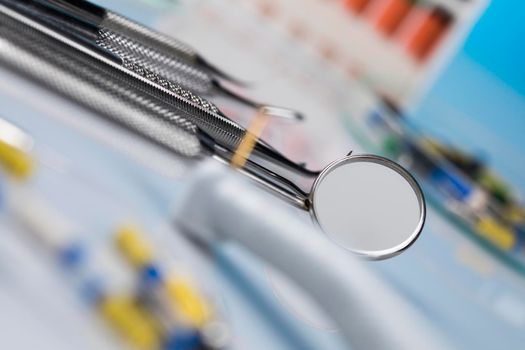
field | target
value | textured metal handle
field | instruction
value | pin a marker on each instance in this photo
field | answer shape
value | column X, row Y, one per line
column 72, row 78
column 175, row 70
column 188, row 105
column 159, row 41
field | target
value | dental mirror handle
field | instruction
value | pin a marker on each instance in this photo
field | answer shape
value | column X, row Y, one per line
column 370, row 315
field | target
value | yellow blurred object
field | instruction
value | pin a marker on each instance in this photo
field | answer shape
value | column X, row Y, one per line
column 184, row 300
column 134, row 324
column 133, row 247
column 251, row 136
column 16, row 162
column 514, row 214
column 188, row 302
column 496, row 233
column 431, row 146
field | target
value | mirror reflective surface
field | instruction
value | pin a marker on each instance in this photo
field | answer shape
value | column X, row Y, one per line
column 369, row 205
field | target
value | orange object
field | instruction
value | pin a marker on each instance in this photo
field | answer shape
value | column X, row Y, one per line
column 251, row 136
column 424, row 35
column 356, row 6
column 391, row 14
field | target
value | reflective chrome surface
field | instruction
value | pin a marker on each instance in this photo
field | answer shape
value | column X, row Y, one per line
column 368, row 205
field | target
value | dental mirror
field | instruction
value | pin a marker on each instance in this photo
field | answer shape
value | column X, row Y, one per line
column 368, row 205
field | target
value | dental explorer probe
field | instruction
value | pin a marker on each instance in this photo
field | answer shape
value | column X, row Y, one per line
column 138, row 51
column 137, row 56
column 99, row 89
column 206, row 116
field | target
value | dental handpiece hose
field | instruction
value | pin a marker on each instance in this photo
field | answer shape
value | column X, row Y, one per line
column 222, row 206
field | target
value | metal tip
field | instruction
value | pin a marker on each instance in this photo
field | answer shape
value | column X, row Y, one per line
column 281, row 112
column 270, row 110
column 219, row 73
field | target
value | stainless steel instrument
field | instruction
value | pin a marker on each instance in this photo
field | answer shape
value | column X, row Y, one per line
column 85, row 22
column 140, row 100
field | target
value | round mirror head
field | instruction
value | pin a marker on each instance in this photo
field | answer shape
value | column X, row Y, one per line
column 369, row 205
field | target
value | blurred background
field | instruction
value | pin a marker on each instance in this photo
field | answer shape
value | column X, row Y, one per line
column 437, row 85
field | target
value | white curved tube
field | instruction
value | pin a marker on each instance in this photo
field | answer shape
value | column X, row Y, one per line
column 220, row 205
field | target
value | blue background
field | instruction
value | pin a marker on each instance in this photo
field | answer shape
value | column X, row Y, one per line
column 498, row 42
column 478, row 102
